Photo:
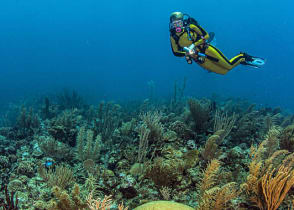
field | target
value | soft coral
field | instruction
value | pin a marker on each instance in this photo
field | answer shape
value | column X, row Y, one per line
column 9, row 204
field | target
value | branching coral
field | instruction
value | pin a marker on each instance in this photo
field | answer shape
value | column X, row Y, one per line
column 9, row 203
column 62, row 176
column 209, row 176
column 275, row 186
column 98, row 204
column 65, row 201
column 102, row 204
column 87, row 147
column 213, row 196
column 224, row 122
column 106, row 119
column 270, row 173
column 143, row 143
column 152, row 121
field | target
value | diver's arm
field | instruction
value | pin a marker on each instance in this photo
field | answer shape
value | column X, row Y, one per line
column 200, row 31
column 175, row 48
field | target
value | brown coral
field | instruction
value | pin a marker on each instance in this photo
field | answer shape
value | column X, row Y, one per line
column 165, row 172
column 212, row 195
column 275, row 186
column 270, row 177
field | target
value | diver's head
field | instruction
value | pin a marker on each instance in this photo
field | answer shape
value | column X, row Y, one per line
column 176, row 16
column 176, row 21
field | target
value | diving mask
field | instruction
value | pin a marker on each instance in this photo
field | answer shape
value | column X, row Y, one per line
column 178, row 25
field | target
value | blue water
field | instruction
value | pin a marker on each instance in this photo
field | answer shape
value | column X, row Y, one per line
column 112, row 49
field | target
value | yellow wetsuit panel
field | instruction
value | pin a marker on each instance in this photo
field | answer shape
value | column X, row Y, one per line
column 200, row 32
column 223, row 65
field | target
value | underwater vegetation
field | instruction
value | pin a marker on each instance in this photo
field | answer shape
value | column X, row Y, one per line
column 183, row 153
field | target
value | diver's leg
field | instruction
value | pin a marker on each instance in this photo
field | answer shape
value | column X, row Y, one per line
column 212, row 60
column 222, row 60
column 213, row 67
column 218, row 63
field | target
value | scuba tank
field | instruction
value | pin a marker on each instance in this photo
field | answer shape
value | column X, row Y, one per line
column 212, row 39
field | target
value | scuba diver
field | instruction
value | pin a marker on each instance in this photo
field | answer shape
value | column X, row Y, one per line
column 190, row 40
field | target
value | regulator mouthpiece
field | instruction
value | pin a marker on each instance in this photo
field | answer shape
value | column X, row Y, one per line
column 178, row 29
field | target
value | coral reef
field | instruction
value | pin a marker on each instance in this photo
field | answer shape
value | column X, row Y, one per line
column 183, row 153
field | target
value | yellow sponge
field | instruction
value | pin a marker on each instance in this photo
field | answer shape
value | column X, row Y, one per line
column 163, row 205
